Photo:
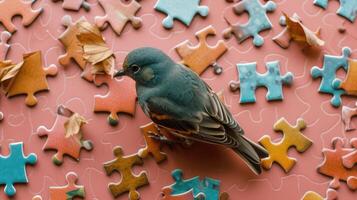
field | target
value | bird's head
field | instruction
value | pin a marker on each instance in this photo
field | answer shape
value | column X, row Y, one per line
column 147, row 66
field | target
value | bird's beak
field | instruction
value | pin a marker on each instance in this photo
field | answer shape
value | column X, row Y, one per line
column 120, row 73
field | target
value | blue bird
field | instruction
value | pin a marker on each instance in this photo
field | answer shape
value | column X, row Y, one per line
column 175, row 98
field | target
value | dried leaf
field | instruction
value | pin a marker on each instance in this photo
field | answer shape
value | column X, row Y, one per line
column 8, row 71
column 73, row 125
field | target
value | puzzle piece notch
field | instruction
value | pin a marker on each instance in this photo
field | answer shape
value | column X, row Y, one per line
column 258, row 21
column 4, row 46
column 74, row 5
column 349, row 84
column 331, row 194
column 118, row 15
column 347, row 9
column 199, row 57
column 347, row 115
column 328, row 74
column 14, row 167
column 11, row 8
column 129, row 182
column 250, row 79
column 292, row 137
column 182, row 10
column 350, row 160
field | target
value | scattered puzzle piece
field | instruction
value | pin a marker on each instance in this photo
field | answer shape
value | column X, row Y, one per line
column 11, row 8
column 201, row 56
column 328, row 74
column 310, row 195
column 347, row 115
column 182, row 10
column 13, row 167
column 348, row 8
column 74, row 4
column 4, row 46
column 121, row 97
column 349, row 84
column 166, row 192
column 250, row 79
column 332, row 166
column 350, row 160
column 118, row 14
column 129, row 182
column 57, row 139
column 258, row 21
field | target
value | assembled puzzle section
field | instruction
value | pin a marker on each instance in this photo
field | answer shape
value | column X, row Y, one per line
column 348, row 8
column 74, row 5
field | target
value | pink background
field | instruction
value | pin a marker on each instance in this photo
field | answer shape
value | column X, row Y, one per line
column 301, row 100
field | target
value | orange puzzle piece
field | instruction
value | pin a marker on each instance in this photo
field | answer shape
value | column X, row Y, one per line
column 332, row 165
column 310, row 195
column 201, row 56
column 350, row 159
column 166, row 193
column 4, row 46
column 349, row 84
column 292, row 137
column 11, row 8
column 347, row 115
column 118, row 15
column 121, row 97
column 66, row 192
column 129, row 182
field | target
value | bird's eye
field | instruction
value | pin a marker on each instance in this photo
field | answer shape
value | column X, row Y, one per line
column 135, row 68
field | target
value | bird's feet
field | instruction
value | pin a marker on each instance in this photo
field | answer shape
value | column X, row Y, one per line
column 162, row 139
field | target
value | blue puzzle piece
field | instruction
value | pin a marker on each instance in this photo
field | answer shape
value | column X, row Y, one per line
column 348, row 8
column 249, row 80
column 183, row 10
column 328, row 74
column 13, row 167
column 258, row 21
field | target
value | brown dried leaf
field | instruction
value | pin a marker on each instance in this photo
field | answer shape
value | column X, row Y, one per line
column 73, row 124
column 8, row 71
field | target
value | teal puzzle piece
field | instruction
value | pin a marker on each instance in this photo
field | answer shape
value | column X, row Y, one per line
column 13, row 167
column 250, row 80
column 348, row 8
column 328, row 74
column 183, row 10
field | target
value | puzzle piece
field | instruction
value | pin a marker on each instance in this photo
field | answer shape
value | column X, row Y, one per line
column 118, row 14
column 347, row 115
column 4, row 46
column 201, row 56
column 129, row 182
column 66, row 192
column 57, row 139
column 332, row 166
column 258, row 21
column 74, row 4
column 292, row 137
column 11, row 8
column 121, row 97
column 348, row 8
column 328, row 74
column 310, row 195
column 166, row 192
column 250, row 79
column 350, row 160
column 31, row 78
column 182, row 10
column 13, row 167
column 349, row 84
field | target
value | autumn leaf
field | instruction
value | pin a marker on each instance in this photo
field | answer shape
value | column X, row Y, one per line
column 8, row 71
column 73, row 124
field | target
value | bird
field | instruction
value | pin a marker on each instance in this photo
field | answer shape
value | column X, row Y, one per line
column 175, row 98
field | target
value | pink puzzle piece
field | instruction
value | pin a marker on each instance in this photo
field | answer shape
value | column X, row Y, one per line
column 350, row 159
column 121, row 97
column 118, row 14
column 347, row 115
column 11, row 8
column 74, row 4
column 4, row 46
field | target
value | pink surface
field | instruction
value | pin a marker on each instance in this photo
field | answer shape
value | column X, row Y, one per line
column 301, row 100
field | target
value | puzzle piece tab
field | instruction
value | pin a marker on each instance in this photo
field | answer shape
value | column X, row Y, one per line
column 118, row 15
column 347, row 115
column 74, row 4
column 201, row 56
column 350, row 160
column 250, row 79
column 348, row 8
column 182, row 10
column 292, row 137
column 349, row 84
column 258, row 21
column 328, row 74
column 129, row 181
column 4, row 46
column 310, row 195
column 13, row 167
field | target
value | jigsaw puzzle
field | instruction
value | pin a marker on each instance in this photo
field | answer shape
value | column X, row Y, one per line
column 4, row 46
column 348, row 8
column 349, row 84
column 166, row 192
column 350, row 160
column 74, row 4
column 347, row 115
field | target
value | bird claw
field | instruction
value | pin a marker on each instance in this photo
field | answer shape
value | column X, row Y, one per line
column 162, row 139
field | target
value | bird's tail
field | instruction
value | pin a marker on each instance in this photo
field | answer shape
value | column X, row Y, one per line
column 251, row 153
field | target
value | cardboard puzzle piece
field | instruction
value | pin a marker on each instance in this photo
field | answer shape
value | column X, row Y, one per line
column 11, row 8
column 182, row 10
column 347, row 115
column 74, row 4
column 332, row 165
column 4, row 45
column 250, row 79
column 311, row 195
column 31, row 78
column 258, row 21
column 350, row 160
column 57, row 139
column 129, row 181
column 328, row 74
column 199, row 57
column 349, row 84
column 13, row 167
column 118, row 15
column 121, row 97
column 166, row 193
column 292, row 137
column 66, row 192
column 348, row 8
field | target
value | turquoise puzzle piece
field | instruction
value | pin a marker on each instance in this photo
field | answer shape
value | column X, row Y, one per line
column 13, row 167
column 183, row 10
column 258, row 21
column 348, row 8
column 328, row 74
column 250, row 80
